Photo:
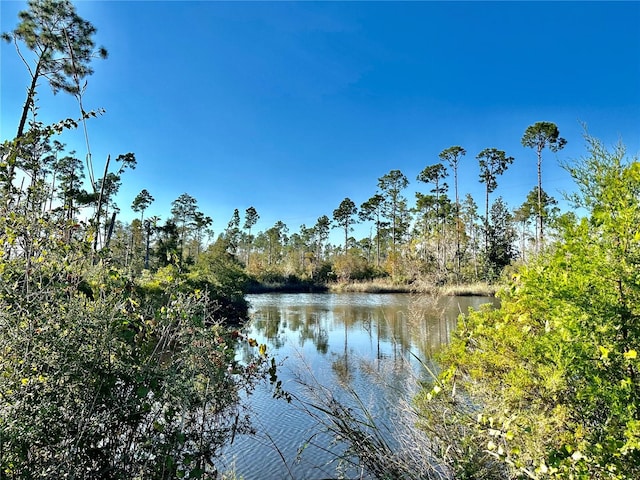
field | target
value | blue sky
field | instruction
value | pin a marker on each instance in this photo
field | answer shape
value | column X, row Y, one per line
column 291, row 107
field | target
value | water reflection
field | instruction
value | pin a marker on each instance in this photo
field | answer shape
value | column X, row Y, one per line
column 368, row 342
column 405, row 321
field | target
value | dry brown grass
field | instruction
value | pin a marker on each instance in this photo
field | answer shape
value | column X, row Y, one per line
column 481, row 289
column 372, row 286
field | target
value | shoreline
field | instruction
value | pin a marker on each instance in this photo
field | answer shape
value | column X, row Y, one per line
column 478, row 289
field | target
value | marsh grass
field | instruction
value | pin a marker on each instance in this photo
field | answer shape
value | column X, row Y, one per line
column 382, row 285
column 480, row 289
column 373, row 286
column 422, row 440
column 361, row 445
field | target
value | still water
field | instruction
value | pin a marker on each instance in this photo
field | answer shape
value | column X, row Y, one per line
column 373, row 344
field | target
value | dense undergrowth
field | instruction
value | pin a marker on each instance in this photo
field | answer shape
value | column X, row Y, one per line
column 547, row 386
column 107, row 376
column 111, row 366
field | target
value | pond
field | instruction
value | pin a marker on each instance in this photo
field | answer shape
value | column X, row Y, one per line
column 373, row 344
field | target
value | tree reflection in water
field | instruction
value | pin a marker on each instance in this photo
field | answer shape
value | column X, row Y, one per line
column 364, row 343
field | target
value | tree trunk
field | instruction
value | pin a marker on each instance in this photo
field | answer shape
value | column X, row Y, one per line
column 99, row 207
column 146, row 255
column 378, row 242
column 23, row 119
column 346, row 237
column 458, row 223
column 110, row 232
column 486, row 222
column 539, row 219
column 27, row 104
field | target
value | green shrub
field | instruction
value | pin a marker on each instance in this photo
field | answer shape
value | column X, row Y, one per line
column 547, row 386
column 103, row 378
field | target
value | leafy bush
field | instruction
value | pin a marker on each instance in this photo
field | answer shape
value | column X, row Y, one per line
column 103, row 375
column 547, row 386
column 100, row 379
column 354, row 267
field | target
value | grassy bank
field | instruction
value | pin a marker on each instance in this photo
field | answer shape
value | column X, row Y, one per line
column 373, row 286
column 479, row 289
column 387, row 286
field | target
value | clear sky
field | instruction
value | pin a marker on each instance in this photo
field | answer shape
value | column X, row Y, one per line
column 291, row 107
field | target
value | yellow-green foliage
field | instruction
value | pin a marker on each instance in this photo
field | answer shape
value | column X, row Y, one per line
column 547, row 386
column 103, row 376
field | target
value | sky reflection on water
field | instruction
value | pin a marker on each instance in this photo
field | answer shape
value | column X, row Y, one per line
column 370, row 343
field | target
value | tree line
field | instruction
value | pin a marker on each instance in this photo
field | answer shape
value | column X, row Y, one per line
column 437, row 238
